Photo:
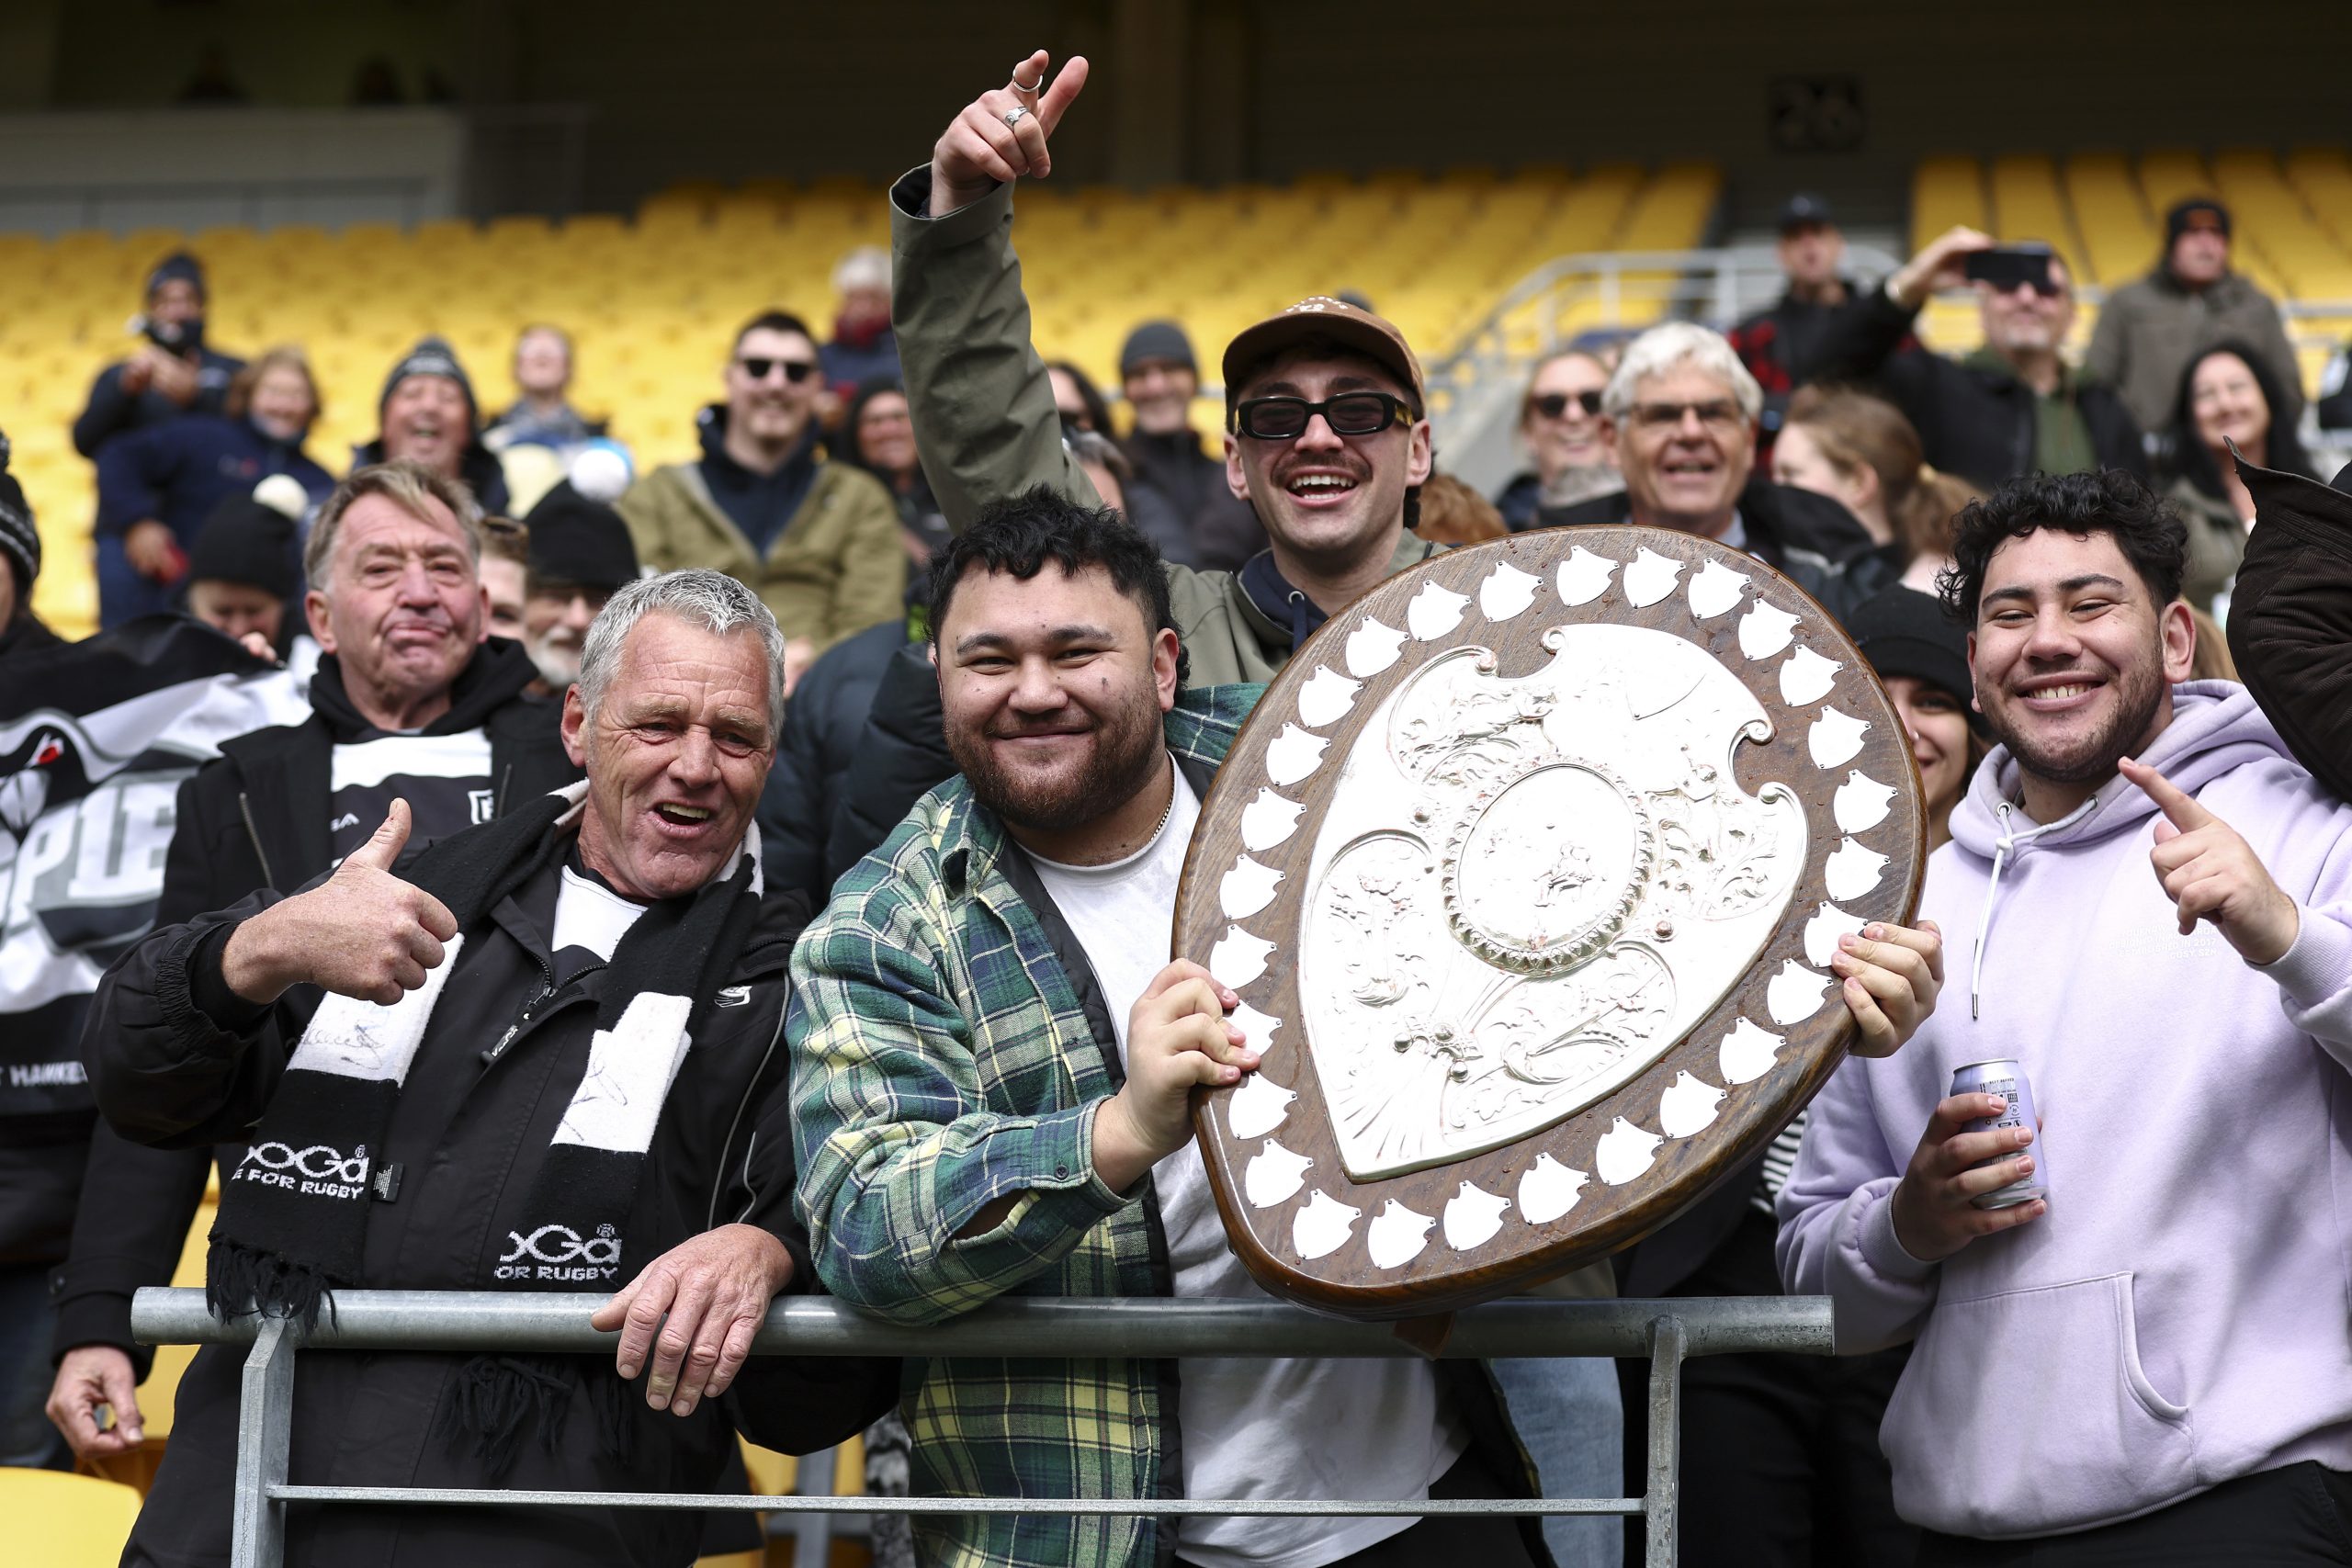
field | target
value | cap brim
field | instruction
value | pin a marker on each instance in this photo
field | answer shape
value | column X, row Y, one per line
column 1257, row 347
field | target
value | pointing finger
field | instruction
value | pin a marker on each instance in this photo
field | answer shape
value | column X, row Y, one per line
column 2179, row 810
column 1057, row 98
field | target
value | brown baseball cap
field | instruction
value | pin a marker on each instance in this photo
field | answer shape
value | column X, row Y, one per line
column 1375, row 337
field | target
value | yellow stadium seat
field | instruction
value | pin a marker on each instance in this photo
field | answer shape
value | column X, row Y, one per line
column 66, row 1521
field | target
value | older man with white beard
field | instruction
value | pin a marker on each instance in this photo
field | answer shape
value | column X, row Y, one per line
column 580, row 555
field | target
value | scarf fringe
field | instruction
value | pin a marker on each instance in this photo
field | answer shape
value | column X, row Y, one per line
column 496, row 1402
column 248, row 1281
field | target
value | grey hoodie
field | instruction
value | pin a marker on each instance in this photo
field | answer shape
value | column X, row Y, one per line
column 2179, row 1317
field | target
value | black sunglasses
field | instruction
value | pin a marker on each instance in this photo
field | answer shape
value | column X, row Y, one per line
column 1349, row 414
column 1552, row 405
column 795, row 370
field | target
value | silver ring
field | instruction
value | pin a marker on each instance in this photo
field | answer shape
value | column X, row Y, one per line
column 1014, row 116
column 1016, row 86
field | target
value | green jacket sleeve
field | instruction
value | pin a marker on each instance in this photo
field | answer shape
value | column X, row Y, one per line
column 872, row 587
column 983, row 406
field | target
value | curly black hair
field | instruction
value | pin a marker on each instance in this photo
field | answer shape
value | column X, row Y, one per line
column 2108, row 501
column 1018, row 536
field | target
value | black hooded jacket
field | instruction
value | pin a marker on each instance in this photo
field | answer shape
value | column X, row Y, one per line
column 253, row 819
column 1808, row 539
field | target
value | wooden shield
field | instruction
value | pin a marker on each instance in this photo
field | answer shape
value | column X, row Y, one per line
column 1528, row 870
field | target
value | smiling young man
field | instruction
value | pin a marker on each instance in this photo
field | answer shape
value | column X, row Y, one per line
column 469, row 1068
column 992, row 1060
column 2162, row 907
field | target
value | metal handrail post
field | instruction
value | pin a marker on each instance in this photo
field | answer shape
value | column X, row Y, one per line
column 812, row 1533
column 265, row 1433
column 1661, row 1498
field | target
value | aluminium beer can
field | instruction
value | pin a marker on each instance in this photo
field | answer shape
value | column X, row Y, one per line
column 2006, row 1078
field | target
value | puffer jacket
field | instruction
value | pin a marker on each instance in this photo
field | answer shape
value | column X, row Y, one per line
column 2291, row 616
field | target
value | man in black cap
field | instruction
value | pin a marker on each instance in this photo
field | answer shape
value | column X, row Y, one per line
column 2150, row 330
column 1780, row 345
column 240, row 570
column 581, row 555
column 172, row 372
column 428, row 414
column 2291, row 616
column 1173, row 472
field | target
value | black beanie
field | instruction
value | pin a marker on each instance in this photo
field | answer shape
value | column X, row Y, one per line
column 1156, row 340
column 431, row 356
column 245, row 541
column 20, row 540
column 580, row 542
column 1905, row 632
column 2177, row 220
column 179, row 267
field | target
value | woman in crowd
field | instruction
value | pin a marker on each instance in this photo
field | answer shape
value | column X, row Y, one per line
column 1559, row 424
column 157, row 486
column 880, row 438
column 1075, row 399
column 1922, row 659
column 1860, row 450
column 2226, row 395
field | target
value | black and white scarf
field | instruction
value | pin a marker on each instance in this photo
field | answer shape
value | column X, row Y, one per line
column 293, row 1217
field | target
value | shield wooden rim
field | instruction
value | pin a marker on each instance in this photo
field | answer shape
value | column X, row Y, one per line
column 1510, row 591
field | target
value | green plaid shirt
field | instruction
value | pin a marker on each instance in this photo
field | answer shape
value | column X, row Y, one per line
column 940, row 1059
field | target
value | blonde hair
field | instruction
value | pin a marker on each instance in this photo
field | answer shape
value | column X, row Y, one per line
column 1453, row 514
column 285, row 356
column 1855, row 430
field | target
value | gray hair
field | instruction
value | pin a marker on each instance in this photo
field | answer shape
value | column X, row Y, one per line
column 1662, row 348
column 868, row 267
column 699, row 596
column 407, row 484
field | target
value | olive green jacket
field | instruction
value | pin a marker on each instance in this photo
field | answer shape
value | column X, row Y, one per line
column 837, row 568
column 985, row 421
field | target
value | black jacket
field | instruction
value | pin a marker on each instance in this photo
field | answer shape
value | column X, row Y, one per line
column 813, row 752
column 1809, row 538
column 1973, row 420
column 256, row 819
column 2291, row 617
column 1191, row 485
column 900, row 756
column 111, row 410
column 466, row 1133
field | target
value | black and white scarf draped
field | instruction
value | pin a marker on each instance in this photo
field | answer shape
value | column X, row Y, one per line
column 293, row 1216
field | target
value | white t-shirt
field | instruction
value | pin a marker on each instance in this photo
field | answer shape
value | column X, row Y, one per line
column 1250, row 1427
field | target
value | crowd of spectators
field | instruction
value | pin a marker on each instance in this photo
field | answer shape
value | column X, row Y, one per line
column 923, row 654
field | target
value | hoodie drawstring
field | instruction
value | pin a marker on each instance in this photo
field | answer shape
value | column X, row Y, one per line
column 2010, row 839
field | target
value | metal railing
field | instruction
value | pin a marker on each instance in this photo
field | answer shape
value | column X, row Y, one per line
column 1667, row 1332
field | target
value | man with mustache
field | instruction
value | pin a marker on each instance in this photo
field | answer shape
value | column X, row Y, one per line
column 411, row 701
column 579, row 556
column 2152, row 1362
column 427, row 415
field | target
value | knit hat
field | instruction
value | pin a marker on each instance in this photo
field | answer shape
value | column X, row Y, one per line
column 179, row 267
column 20, row 540
column 1157, row 342
column 247, row 541
column 1904, row 632
column 2177, row 220
column 577, row 541
column 431, row 356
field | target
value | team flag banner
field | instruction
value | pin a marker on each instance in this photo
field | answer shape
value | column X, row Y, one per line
column 95, row 737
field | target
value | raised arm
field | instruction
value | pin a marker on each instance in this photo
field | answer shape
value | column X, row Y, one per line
column 983, row 407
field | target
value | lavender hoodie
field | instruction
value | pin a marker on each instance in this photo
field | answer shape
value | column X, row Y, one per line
column 2182, row 1314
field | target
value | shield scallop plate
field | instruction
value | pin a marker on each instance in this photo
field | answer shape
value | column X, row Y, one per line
column 1528, row 869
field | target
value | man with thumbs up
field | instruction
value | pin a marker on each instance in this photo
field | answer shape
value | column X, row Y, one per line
column 466, row 1066
column 2153, row 1363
